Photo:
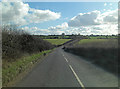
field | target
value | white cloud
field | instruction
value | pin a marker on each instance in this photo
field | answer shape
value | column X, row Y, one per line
column 110, row 17
column 63, row 25
column 94, row 18
column 110, row 4
column 84, row 30
column 105, row 4
column 103, row 29
column 84, row 19
column 107, row 25
column 97, row 30
column 58, row 27
column 104, row 9
column 21, row 13
column 14, row 12
column 36, row 30
column 38, row 16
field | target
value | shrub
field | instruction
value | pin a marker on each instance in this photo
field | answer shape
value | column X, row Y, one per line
column 16, row 43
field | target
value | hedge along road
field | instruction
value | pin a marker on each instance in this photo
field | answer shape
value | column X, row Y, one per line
column 62, row 69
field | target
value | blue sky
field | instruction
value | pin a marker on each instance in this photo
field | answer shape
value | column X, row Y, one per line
column 69, row 10
column 45, row 18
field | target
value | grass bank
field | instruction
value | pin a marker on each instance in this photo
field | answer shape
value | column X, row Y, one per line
column 102, row 52
column 11, row 70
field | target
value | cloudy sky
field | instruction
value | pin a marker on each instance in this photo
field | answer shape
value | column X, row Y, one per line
column 46, row 18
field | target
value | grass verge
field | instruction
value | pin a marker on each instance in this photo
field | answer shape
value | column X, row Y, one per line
column 12, row 70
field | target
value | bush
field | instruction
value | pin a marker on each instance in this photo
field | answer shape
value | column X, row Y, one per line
column 16, row 43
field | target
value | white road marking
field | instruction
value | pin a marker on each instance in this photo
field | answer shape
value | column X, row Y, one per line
column 62, row 53
column 79, row 81
column 66, row 59
column 77, row 77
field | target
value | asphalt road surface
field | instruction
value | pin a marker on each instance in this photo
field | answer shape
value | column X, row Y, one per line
column 62, row 69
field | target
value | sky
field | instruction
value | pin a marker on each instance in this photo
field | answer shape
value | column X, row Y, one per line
column 49, row 18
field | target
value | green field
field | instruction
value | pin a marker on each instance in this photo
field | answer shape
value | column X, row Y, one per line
column 103, row 37
column 57, row 41
column 100, row 43
column 86, row 41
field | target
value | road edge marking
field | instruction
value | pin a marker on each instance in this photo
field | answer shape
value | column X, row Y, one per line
column 79, row 81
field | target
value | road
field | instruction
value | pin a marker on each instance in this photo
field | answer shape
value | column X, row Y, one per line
column 62, row 69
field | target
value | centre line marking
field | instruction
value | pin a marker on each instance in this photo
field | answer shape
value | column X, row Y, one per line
column 77, row 77
column 66, row 59
column 62, row 54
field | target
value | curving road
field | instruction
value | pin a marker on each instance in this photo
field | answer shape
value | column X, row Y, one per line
column 62, row 69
